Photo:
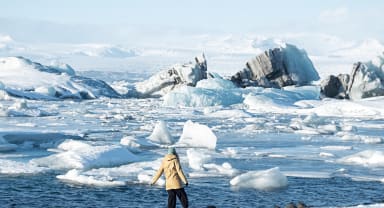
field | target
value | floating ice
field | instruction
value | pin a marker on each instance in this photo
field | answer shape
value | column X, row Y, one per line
column 372, row 158
column 326, row 154
column 336, row 148
column 161, row 134
column 197, row 158
column 134, row 144
column 235, row 113
column 21, row 109
column 364, row 139
column 314, row 124
column 75, row 176
column 79, row 155
column 308, row 174
column 19, row 168
column 197, row 135
column 200, row 97
column 133, row 173
column 223, row 169
column 263, row 180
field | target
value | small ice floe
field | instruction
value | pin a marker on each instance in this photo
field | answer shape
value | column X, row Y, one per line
column 11, row 167
column 326, row 154
column 196, row 159
column 230, row 152
column 132, row 173
column 22, row 109
column 364, row 139
column 336, row 148
column 232, row 114
column 197, row 135
column 134, row 144
column 199, row 162
column 270, row 179
column 314, row 124
column 76, row 177
column 371, row 158
column 161, row 134
column 308, row 174
column 80, row 155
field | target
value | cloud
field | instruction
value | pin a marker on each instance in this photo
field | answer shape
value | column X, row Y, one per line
column 337, row 15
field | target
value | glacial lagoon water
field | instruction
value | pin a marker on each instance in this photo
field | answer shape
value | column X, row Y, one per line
column 313, row 160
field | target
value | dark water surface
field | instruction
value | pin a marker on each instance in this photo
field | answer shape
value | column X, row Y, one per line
column 47, row 191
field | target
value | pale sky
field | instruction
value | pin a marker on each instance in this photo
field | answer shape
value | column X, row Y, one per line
column 120, row 20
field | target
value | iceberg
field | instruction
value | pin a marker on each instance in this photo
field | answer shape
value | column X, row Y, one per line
column 366, row 80
column 21, row 77
column 278, row 67
column 179, row 75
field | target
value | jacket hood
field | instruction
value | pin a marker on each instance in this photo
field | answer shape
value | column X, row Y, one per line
column 170, row 157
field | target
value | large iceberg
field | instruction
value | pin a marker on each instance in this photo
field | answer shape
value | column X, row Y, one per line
column 21, row 77
column 278, row 67
column 366, row 80
column 179, row 75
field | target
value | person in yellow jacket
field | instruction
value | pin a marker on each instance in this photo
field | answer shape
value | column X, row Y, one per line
column 174, row 177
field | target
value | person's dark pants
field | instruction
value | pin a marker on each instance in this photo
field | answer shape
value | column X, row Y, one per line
column 180, row 193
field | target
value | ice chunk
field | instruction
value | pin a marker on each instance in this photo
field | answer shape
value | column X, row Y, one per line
column 372, row 158
column 197, row 135
column 161, row 134
column 263, row 180
column 223, row 169
column 196, row 159
column 19, row 168
column 308, row 174
column 75, row 176
column 336, row 148
column 79, row 155
column 230, row 114
column 134, row 144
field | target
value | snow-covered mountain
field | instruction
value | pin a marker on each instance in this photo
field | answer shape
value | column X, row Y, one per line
column 104, row 50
